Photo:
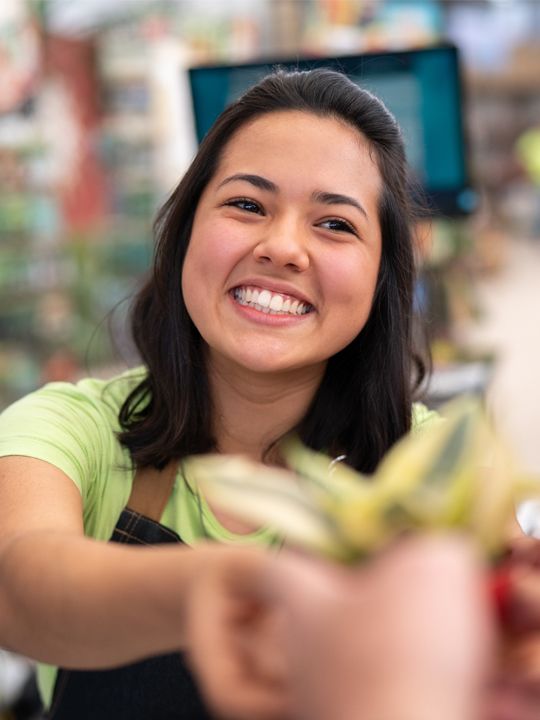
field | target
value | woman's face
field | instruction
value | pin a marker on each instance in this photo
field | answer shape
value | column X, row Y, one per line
column 285, row 249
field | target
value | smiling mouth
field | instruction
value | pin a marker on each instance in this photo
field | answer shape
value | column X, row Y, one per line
column 269, row 302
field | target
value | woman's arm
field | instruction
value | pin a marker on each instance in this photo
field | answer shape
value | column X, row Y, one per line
column 75, row 602
column 72, row 601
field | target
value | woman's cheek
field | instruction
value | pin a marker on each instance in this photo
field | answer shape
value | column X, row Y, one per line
column 352, row 280
column 222, row 244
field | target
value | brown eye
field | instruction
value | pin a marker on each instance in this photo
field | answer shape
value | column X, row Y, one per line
column 245, row 204
column 338, row 225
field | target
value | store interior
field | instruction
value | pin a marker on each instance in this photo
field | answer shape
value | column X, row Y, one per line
column 98, row 122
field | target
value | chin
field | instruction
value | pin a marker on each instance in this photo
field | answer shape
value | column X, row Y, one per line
column 277, row 365
column 265, row 358
column 265, row 366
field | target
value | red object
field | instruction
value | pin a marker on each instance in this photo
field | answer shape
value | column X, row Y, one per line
column 499, row 585
column 83, row 196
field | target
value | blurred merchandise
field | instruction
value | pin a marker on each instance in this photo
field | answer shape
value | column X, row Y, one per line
column 447, row 300
column 528, row 147
column 503, row 106
column 19, row 55
column 352, row 26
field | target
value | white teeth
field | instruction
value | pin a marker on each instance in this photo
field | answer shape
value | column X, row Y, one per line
column 276, row 303
column 268, row 302
column 264, row 298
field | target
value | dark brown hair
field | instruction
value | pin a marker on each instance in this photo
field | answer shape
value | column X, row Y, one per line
column 363, row 404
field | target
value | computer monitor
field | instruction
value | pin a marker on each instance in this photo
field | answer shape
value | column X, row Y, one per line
column 421, row 87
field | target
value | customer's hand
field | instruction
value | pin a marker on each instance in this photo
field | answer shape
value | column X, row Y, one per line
column 275, row 637
column 409, row 632
column 234, row 634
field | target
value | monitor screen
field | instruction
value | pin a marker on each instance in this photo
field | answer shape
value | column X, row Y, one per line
column 422, row 88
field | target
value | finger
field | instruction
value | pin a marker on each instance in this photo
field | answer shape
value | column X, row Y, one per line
column 262, row 643
column 223, row 605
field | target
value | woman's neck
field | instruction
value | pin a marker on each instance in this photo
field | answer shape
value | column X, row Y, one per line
column 251, row 410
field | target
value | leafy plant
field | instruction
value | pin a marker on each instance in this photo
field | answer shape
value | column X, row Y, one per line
column 456, row 474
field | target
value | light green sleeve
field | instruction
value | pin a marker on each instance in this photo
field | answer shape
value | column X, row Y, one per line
column 69, row 426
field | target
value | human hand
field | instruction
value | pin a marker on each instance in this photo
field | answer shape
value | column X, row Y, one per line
column 234, row 641
column 409, row 632
column 275, row 637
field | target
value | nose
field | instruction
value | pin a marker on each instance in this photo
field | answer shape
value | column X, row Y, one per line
column 284, row 245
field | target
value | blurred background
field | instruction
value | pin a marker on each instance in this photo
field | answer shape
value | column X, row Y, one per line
column 97, row 125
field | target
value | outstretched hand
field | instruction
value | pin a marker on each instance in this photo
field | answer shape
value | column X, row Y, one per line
column 234, row 635
column 409, row 632
column 278, row 637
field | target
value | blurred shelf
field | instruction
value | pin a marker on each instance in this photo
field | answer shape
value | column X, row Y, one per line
column 466, row 378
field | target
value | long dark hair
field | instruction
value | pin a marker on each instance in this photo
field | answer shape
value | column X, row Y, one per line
column 363, row 404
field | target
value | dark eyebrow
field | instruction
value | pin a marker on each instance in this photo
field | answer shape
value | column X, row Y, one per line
column 327, row 198
column 257, row 180
column 337, row 199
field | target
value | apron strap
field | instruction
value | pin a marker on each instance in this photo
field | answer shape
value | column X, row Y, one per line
column 151, row 490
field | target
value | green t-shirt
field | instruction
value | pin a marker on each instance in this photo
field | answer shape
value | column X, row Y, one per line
column 74, row 428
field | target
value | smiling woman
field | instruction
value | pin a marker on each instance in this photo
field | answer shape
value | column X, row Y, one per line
column 280, row 301
column 300, row 189
column 290, row 228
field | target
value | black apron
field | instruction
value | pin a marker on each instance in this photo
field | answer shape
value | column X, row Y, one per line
column 158, row 688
